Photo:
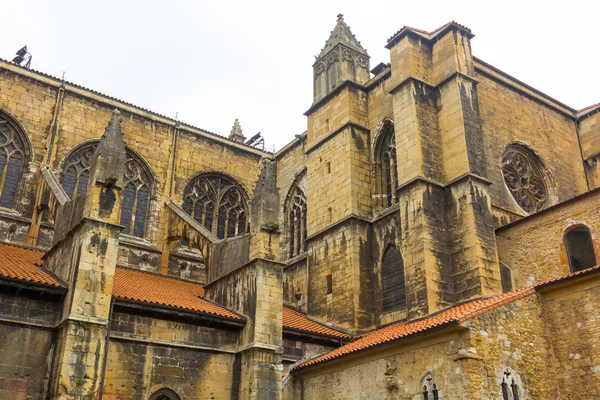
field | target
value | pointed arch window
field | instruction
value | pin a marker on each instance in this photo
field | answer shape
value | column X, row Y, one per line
column 13, row 156
column 510, row 387
column 137, row 184
column 296, row 221
column 393, row 286
column 165, row 394
column 430, row 389
column 218, row 203
column 580, row 248
column 386, row 167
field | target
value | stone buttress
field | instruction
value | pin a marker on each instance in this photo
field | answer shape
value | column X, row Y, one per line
column 255, row 290
column 84, row 254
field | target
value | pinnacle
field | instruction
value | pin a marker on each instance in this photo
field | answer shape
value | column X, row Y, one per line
column 236, row 132
column 342, row 34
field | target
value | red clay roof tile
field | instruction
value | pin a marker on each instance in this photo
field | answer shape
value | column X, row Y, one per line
column 150, row 288
column 21, row 263
column 456, row 314
column 296, row 320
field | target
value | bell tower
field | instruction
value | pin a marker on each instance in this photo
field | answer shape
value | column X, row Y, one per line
column 342, row 59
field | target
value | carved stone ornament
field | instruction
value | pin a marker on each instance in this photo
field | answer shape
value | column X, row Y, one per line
column 320, row 68
column 333, row 57
column 524, row 178
column 362, row 62
column 347, row 55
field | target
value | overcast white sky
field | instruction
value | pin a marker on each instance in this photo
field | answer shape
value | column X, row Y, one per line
column 216, row 61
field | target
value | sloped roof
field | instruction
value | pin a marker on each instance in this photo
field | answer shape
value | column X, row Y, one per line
column 456, row 314
column 24, row 264
column 427, row 35
column 587, row 110
column 156, row 289
column 299, row 321
column 342, row 34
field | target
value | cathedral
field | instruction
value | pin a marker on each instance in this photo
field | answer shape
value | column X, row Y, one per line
column 431, row 235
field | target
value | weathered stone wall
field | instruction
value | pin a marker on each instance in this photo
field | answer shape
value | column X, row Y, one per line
column 534, row 249
column 572, row 328
column 135, row 370
column 510, row 115
column 295, row 284
column 27, row 344
column 81, row 117
column 589, row 134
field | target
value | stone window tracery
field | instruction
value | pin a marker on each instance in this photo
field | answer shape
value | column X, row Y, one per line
column 13, row 155
column 393, row 286
column 386, row 168
column 137, row 184
column 524, row 177
column 430, row 389
column 213, row 197
column 296, row 222
column 165, row 394
column 580, row 248
column 510, row 386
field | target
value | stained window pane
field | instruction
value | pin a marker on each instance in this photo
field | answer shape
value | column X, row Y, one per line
column 393, row 292
column 141, row 211
column 127, row 208
column 221, row 223
column 199, row 212
column 580, row 249
column 208, row 218
column 241, row 224
column 82, row 185
column 231, row 224
column 69, row 181
column 292, row 230
column 11, row 181
column 388, row 180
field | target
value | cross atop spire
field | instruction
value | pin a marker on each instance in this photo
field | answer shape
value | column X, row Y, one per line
column 342, row 34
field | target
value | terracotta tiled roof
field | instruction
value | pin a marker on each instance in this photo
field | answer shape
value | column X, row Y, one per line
column 296, row 320
column 428, row 35
column 457, row 314
column 21, row 263
column 155, row 289
column 588, row 108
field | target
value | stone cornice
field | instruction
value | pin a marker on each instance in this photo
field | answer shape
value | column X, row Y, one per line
column 334, row 133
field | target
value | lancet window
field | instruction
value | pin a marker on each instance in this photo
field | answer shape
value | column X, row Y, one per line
column 510, row 387
column 296, row 221
column 580, row 248
column 217, row 202
column 430, row 389
column 13, row 156
column 524, row 177
column 393, row 286
column 137, row 186
column 386, row 168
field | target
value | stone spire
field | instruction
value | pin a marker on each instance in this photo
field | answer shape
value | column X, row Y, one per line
column 108, row 162
column 342, row 59
column 236, row 132
column 342, row 34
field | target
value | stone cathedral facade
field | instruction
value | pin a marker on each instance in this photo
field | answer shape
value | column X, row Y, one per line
column 431, row 235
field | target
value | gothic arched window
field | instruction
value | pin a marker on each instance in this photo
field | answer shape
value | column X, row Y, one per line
column 211, row 198
column 580, row 248
column 386, row 166
column 524, row 177
column 137, row 184
column 430, row 389
column 296, row 221
column 14, row 153
column 393, row 290
column 165, row 394
column 510, row 386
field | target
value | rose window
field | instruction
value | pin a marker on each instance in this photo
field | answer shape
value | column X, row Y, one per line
column 524, row 179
